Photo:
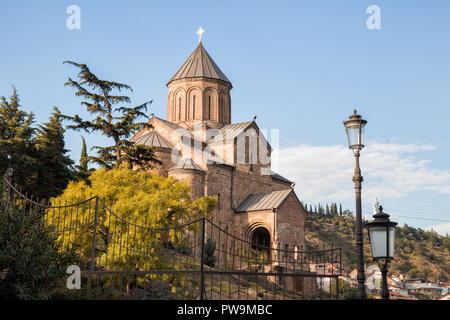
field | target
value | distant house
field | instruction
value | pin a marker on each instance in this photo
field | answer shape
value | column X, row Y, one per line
column 428, row 289
column 325, row 268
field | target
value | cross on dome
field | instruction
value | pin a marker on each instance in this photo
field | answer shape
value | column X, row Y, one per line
column 200, row 32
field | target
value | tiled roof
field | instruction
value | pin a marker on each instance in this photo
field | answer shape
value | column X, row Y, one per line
column 263, row 201
column 200, row 64
column 186, row 164
column 153, row 138
column 230, row 131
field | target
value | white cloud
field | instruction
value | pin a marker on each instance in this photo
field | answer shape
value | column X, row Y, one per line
column 442, row 229
column 390, row 171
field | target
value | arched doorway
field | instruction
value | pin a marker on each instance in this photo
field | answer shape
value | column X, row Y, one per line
column 260, row 239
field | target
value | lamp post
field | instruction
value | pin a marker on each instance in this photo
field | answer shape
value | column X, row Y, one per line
column 9, row 173
column 354, row 127
column 382, row 237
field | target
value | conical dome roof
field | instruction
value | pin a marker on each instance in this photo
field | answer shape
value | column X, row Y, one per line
column 200, row 64
column 153, row 139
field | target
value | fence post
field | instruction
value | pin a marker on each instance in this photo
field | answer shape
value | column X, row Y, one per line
column 202, row 275
column 337, row 288
column 91, row 270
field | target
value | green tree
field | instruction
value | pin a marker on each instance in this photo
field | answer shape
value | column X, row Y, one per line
column 32, row 266
column 210, row 247
column 333, row 209
column 116, row 123
column 16, row 142
column 320, row 209
column 55, row 167
column 83, row 156
column 344, row 289
column 82, row 169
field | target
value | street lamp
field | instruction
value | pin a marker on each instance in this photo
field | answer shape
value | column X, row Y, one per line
column 354, row 127
column 9, row 173
column 382, row 235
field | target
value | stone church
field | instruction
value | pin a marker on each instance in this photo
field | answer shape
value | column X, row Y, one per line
column 198, row 143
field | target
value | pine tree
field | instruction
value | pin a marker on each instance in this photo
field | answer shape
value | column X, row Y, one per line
column 340, row 209
column 16, row 142
column 55, row 167
column 116, row 123
column 327, row 210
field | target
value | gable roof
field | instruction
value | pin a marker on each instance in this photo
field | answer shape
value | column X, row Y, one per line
column 153, row 138
column 169, row 124
column 200, row 64
column 186, row 164
column 230, row 131
column 263, row 201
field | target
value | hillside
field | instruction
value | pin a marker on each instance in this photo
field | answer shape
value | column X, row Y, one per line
column 418, row 253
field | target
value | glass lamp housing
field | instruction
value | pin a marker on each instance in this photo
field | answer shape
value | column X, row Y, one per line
column 354, row 128
column 380, row 241
column 382, row 236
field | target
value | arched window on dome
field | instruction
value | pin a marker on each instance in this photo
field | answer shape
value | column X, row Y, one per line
column 179, row 109
column 209, row 107
column 193, row 107
column 221, row 110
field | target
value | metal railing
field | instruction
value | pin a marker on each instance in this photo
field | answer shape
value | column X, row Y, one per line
column 122, row 259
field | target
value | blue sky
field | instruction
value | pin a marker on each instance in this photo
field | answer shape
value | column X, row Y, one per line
column 300, row 66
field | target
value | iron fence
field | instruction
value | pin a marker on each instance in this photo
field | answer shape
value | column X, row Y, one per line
column 122, row 259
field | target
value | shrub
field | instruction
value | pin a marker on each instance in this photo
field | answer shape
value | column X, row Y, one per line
column 31, row 262
column 210, row 247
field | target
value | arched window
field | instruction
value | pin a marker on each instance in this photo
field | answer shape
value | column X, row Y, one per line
column 179, row 108
column 209, row 107
column 221, row 110
column 193, row 107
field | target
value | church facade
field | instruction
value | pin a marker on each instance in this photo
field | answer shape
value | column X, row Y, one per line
column 198, row 143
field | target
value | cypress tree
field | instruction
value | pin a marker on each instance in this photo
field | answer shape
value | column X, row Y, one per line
column 333, row 208
column 82, row 169
column 116, row 123
column 83, row 157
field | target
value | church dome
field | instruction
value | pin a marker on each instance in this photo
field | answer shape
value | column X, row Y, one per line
column 200, row 65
